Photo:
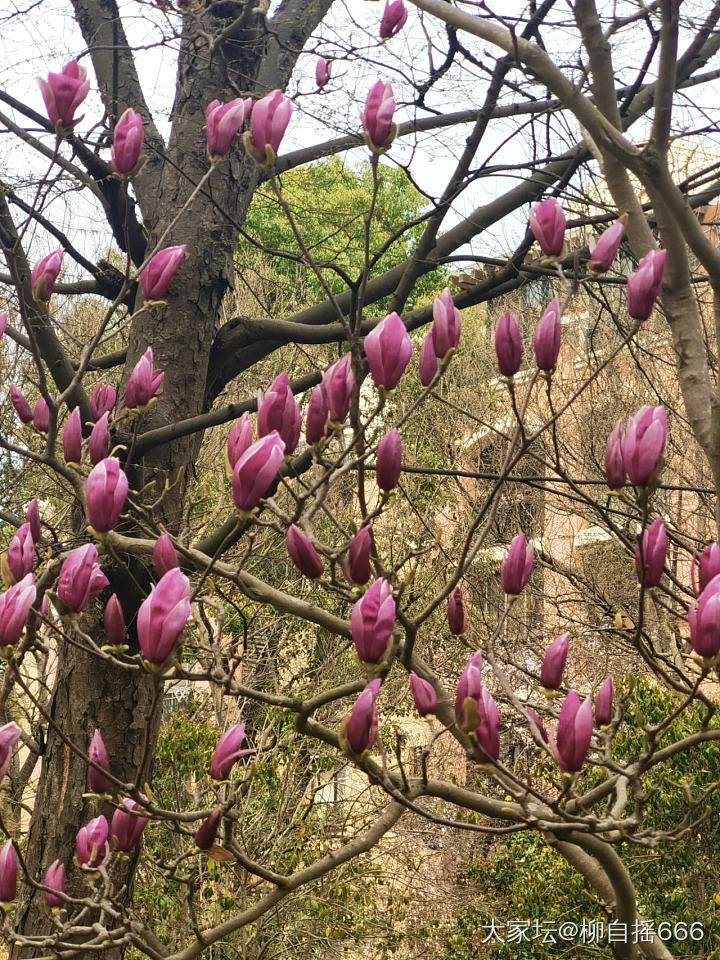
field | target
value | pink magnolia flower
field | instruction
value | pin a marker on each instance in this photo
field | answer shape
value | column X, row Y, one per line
column 643, row 443
column 372, row 622
column 143, row 383
column 604, row 250
column 268, row 122
column 207, row 831
column 517, row 566
column 388, row 461
column 302, row 553
column 91, row 842
column 72, row 438
column 156, row 277
column 15, row 604
column 487, row 733
column 644, row 285
column 222, row 123
column 574, row 733
column 44, row 275
column 423, row 694
column 106, row 491
column 357, row 563
column 316, row 416
column 604, row 704
column 446, row 326
column 323, row 69
column 469, row 685
column 456, row 615
column 360, row 729
column 102, row 400
column 388, row 349
column 114, row 622
column 546, row 338
column 553, row 665
column 508, row 345
column 704, row 568
column 98, row 754
column 63, row 93
column 81, row 578
column 393, row 19
column 239, row 439
column 8, row 873
column 650, row 554
column 278, row 411
column 228, row 751
column 128, row 139
column 164, row 556
column 32, row 515
column 9, row 736
column 547, row 222
column 163, row 615
column 614, row 462
column 377, row 117
column 704, row 621
column 338, row 381
column 127, row 826
column 19, row 402
column 255, row 471
column 21, row 552
column 54, row 879
column 99, row 442
column 41, row 415
column 427, row 361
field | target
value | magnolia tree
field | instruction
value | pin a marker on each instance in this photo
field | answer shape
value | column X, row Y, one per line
column 119, row 576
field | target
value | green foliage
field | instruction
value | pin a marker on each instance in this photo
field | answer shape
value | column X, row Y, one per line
column 329, row 202
column 677, row 883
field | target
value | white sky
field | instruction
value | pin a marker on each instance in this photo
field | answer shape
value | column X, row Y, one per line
column 46, row 36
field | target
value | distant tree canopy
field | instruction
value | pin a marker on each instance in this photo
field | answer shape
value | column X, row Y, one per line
column 330, row 202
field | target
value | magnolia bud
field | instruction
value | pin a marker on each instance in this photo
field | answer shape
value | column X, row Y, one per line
column 114, row 622
column 228, row 751
column 428, row 361
column 91, row 842
column 614, row 463
column 456, row 616
column 102, row 400
column 106, row 491
column 143, row 383
column 650, row 554
column 255, row 471
column 372, row 622
column 302, row 553
column 643, row 443
column 377, row 117
column 517, row 566
column 644, row 285
column 63, row 93
column 54, row 879
column 44, row 274
column 127, row 827
column 604, row 704
column 388, row 461
column 128, row 139
column 574, row 733
column 81, row 578
column 99, row 442
column 222, row 123
column 388, row 349
column 162, row 616
column 357, row 563
column 156, row 277
column 508, row 345
column 547, row 222
column 268, row 122
column 546, row 338
column 99, row 755
column 164, row 556
column 393, row 19
column 553, row 665
column 278, row 411
column 604, row 250
column 423, row 694
column 8, row 873
column 72, row 438
column 359, row 730
column 207, row 831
